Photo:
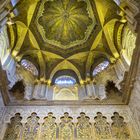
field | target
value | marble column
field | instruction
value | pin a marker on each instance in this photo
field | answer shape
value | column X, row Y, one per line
column 37, row 91
column 50, row 92
column 102, row 92
column 28, row 91
column 40, row 91
column 95, row 91
column 46, row 92
column 89, row 90
column 96, row 87
column 43, row 91
column 81, row 92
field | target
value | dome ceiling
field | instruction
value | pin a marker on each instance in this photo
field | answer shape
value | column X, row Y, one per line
column 65, row 23
column 65, row 34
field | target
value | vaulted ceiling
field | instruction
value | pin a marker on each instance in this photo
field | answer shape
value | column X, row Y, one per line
column 66, row 34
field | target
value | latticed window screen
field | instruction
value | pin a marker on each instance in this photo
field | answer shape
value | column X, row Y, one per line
column 65, row 80
column 100, row 67
column 29, row 66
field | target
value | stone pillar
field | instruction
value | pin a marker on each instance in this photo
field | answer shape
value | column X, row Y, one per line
column 28, row 91
column 92, row 91
column 102, row 92
column 46, row 92
column 96, row 87
column 43, row 91
column 50, row 92
column 40, row 91
column 89, row 90
column 37, row 91
column 81, row 92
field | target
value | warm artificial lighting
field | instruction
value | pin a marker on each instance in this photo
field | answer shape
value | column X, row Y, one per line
column 49, row 82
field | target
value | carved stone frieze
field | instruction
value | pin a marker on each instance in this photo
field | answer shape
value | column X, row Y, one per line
column 49, row 122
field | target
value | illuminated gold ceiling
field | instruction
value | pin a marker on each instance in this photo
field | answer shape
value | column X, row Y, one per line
column 65, row 23
column 66, row 34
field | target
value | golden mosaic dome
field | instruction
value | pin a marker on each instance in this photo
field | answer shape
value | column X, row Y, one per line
column 65, row 23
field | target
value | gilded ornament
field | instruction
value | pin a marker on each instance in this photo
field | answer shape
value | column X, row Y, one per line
column 65, row 23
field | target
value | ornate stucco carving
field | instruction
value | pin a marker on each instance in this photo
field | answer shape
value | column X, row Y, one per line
column 83, row 127
column 14, row 129
column 49, row 127
column 87, row 126
column 128, row 44
column 120, row 129
column 31, row 127
column 102, row 127
column 66, row 127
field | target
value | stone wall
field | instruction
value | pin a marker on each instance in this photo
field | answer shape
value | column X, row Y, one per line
column 135, row 102
column 135, row 96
